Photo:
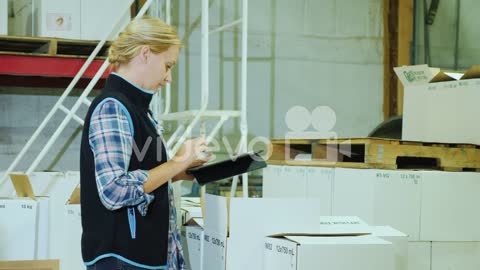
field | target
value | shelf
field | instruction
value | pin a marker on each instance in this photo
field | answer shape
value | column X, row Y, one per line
column 46, row 62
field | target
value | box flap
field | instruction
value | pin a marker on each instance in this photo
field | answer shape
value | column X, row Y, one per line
column 189, row 213
column 195, row 222
column 472, row 73
column 347, row 240
column 315, row 234
column 30, row 265
column 22, row 185
column 259, row 217
column 75, row 197
column 333, row 226
column 446, row 77
column 386, row 231
column 217, row 213
column 415, row 75
column 456, row 75
column 193, row 211
column 344, row 225
column 190, row 201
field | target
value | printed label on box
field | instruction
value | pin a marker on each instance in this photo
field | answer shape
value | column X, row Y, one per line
column 59, row 21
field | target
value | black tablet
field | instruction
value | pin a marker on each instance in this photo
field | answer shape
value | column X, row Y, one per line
column 227, row 168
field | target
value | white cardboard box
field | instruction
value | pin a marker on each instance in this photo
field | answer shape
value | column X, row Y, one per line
column 98, row 17
column 400, row 244
column 435, row 110
column 60, row 193
column 450, row 203
column 22, row 20
column 284, row 181
column 72, row 233
column 57, row 189
column 3, row 17
column 59, row 18
column 339, row 253
column 18, row 229
column 190, row 212
column 419, row 255
column 24, row 223
column 247, row 222
column 193, row 241
column 194, row 238
column 338, row 244
column 380, row 197
column 455, row 255
column 298, row 181
column 214, row 251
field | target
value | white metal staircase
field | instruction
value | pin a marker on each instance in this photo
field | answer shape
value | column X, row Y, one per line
column 188, row 120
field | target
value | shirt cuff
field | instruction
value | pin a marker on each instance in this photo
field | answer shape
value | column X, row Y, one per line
column 145, row 199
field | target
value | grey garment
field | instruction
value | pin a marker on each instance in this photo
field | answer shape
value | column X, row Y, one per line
column 112, row 263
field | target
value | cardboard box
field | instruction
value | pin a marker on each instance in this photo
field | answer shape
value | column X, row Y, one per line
column 23, row 17
column 339, row 253
column 3, row 17
column 99, row 17
column 438, row 107
column 298, row 181
column 419, row 255
column 30, row 265
column 284, row 181
column 192, row 243
column 380, row 197
column 72, row 234
column 24, row 223
column 339, row 243
column 59, row 194
column 455, row 255
column 214, row 251
column 194, row 249
column 57, row 189
column 235, row 228
column 449, row 209
column 18, row 229
column 400, row 244
column 59, row 18
column 191, row 212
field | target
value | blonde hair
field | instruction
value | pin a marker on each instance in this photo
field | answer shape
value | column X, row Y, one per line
column 149, row 31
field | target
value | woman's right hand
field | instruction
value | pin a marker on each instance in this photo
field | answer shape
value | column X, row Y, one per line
column 190, row 151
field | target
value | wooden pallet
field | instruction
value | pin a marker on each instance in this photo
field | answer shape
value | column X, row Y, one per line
column 376, row 153
column 50, row 47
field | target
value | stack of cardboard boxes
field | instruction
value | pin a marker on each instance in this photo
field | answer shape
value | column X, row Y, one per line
column 288, row 233
column 35, row 223
column 75, row 19
column 437, row 209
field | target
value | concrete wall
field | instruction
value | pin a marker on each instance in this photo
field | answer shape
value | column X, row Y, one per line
column 443, row 34
column 21, row 112
column 304, row 52
column 308, row 52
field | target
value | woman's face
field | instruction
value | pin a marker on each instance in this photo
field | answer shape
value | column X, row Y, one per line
column 159, row 67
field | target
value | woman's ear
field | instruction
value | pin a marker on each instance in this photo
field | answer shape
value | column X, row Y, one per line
column 144, row 53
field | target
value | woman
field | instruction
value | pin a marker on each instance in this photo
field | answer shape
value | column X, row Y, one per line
column 128, row 217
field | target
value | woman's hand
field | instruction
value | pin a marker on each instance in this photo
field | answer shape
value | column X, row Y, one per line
column 198, row 162
column 190, row 151
column 189, row 155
